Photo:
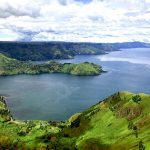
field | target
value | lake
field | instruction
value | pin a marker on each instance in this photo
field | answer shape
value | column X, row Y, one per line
column 58, row 96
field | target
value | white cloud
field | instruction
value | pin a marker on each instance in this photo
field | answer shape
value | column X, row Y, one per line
column 18, row 8
column 75, row 20
column 7, row 35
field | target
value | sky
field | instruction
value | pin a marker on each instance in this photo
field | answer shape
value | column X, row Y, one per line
column 99, row 21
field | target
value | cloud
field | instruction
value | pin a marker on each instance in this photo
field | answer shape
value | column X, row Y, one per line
column 75, row 20
column 18, row 8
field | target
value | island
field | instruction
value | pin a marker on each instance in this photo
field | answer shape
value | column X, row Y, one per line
column 9, row 66
column 120, row 122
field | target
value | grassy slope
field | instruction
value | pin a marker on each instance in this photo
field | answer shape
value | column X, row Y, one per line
column 117, row 123
column 85, row 68
column 10, row 66
column 110, row 126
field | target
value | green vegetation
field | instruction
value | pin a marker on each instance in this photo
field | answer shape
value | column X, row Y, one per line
column 82, row 69
column 25, row 51
column 51, row 50
column 10, row 66
column 116, row 123
column 136, row 98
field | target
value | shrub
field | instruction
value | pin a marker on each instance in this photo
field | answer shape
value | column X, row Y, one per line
column 136, row 98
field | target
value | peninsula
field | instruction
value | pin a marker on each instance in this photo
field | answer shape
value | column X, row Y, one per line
column 9, row 66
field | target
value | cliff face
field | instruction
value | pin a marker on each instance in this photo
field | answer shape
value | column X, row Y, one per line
column 120, row 122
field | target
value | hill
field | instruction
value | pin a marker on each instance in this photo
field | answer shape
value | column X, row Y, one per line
column 9, row 66
column 61, row 50
column 120, row 122
column 51, row 50
column 131, row 45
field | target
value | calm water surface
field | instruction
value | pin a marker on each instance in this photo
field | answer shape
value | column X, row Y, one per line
column 58, row 96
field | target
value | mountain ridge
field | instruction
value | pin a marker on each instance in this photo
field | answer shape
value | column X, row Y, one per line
column 52, row 50
column 37, row 51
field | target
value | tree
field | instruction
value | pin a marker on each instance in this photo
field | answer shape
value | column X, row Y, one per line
column 136, row 98
column 141, row 146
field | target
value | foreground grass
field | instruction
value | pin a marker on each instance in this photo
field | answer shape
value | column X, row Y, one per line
column 120, row 122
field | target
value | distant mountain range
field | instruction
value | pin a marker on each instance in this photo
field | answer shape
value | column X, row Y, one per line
column 131, row 45
column 37, row 51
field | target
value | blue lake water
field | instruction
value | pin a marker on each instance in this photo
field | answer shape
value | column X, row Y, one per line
column 58, row 96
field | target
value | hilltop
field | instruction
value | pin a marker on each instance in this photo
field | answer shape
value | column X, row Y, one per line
column 9, row 66
column 120, row 122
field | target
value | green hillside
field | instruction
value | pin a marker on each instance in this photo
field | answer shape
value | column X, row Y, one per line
column 120, row 122
column 55, row 50
column 52, row 50
column 10, row 66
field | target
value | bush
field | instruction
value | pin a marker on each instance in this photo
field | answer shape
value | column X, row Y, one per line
column 136, row 98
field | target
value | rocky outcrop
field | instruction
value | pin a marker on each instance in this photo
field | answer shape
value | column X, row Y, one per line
column 5, row 114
